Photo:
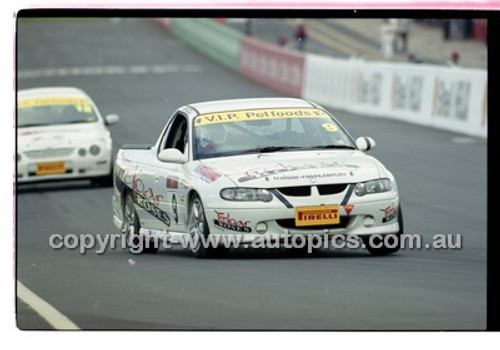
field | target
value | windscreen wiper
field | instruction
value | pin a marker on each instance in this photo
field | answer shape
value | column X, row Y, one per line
column 78, row 122
column 30, row 125
column 268, row 149
column 334, row 147
column 271, row 149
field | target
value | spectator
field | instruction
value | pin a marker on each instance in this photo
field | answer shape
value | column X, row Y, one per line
column 413, row 59
column 455, row 29
column 402, row 27
column 282, row 41
column 248, row 27
column 301, row 36
column 454, row 58
column 462, row 28
column 387, row 33
column 468, row 28
column 446, row 29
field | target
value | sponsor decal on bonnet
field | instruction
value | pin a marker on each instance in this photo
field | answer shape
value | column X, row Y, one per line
column 284, row 168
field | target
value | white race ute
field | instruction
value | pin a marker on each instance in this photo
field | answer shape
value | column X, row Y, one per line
column 266, row 167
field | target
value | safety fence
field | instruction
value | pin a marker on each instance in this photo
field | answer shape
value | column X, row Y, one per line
column 448, row 98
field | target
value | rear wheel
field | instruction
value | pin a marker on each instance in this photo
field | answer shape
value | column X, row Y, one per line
column 131, row 227
column 385, row 245
column 199, row 232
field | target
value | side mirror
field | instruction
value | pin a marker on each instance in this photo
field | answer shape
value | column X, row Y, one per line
column 172, row 155
column 365, row 143
column 111, row 119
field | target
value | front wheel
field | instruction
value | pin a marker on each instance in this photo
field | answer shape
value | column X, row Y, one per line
column 385, row 245
column 199, row 232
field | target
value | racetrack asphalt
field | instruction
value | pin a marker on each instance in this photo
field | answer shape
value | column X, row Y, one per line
column 442, row 185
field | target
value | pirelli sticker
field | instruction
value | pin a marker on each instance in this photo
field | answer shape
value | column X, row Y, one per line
column 54, row 101
column 322, row 215
column 258, row 114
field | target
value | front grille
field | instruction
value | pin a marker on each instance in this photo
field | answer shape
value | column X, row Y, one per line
column 290, row 224
column 49, row 153
column 305, row 191
column 331, row 189
column 299, row 191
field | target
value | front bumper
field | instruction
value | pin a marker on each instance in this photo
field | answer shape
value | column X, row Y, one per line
column 75, row 168
column 363, row 219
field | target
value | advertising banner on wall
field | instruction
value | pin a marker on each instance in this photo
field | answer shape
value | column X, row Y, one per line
column 448, row 98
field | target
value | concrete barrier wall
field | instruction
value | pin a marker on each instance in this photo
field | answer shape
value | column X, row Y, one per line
column 211, row 38
column 447, row 98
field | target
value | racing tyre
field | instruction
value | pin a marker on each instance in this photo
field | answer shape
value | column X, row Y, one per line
column 394, row 244
column 131, row 227
column 199, row 231
column 103, row 181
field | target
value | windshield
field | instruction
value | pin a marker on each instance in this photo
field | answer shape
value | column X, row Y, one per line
column 54, row 111
column 266, row 130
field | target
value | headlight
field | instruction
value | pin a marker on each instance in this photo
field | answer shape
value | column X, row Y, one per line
column 375, row 186
column 94, row 150
column 246, row 194
column 82, row 152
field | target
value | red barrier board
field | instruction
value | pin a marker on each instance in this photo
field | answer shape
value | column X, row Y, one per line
column 272, row 66
column 164, row 22
column 480, row 29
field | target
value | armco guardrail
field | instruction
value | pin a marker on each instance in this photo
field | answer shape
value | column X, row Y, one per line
column 453, row 99
column 269, row 65
column 213, row 39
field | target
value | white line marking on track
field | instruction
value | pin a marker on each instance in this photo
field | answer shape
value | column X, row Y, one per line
column 62, row 71
column 191, row 68
column 159, row 69
column 139, row 69
column 114, row 70
column 44, row 309
column 92, row 70
column 108, row 70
